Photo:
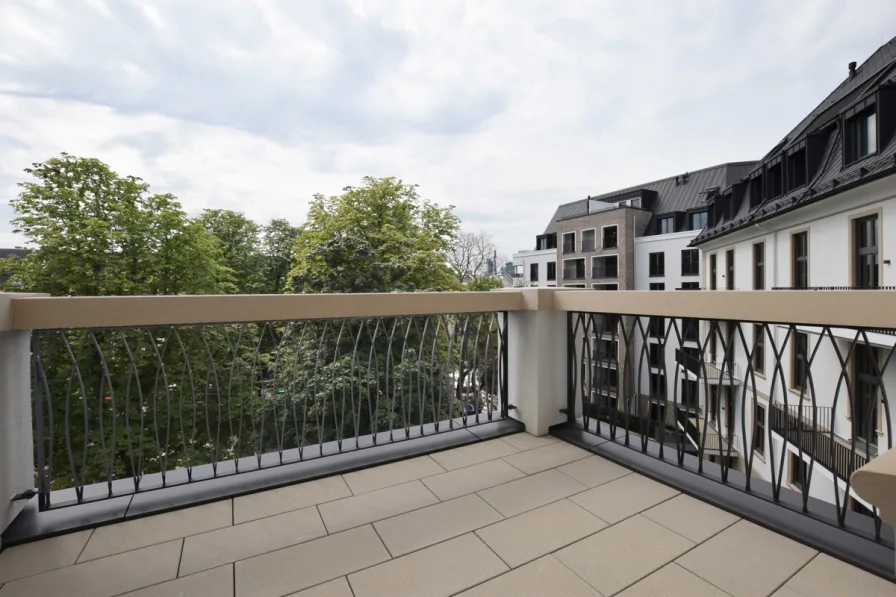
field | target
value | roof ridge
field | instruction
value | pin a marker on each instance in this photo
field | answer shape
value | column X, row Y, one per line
column 658, row 180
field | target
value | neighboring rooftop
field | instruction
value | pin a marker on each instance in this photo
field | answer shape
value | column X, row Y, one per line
column 679, row 193
column 813, row 162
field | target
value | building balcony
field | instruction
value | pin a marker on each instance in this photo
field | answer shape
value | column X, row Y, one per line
column 602, row 272
column 714, row 372
column 391, row 444
column 574, row 274
column 569, row 247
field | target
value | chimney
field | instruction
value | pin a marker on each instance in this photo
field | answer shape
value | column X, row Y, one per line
column 852, row 69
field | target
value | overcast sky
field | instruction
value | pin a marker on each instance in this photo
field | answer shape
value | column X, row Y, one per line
column 502, row 108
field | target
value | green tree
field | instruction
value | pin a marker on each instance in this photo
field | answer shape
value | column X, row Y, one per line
column 239, row 243
column 484, row 284
column 379, row 237
column 277, row 243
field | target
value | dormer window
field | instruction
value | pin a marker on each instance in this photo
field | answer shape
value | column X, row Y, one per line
column 860, row 135
column 797, row 167
column 665, row 225
column 775, row 182
column 755, row 190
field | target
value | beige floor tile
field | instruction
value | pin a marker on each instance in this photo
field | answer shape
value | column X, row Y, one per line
column 825, row 576
column 472, row 478
column 531, row 492
column 696, row 520
column 623, row 554
column 242, row 541
column 334, row 588
column 301, row 566
column 104, row 577
column 672, row 581
column 376, row 505
column 140, row 532
column 541, row 459
column 217, row 582
column 436, row 571
column 387, row 475
column 786, row 591
column 294, row 497
column 746, row 560
column 594, row 471
column 538, row 532
column 525, row 441
column 545, row 577
column 41, row 556
column 427, row 526
column 473, row 454
column 623, row 497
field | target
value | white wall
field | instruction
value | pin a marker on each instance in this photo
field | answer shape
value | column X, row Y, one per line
column 542, row 258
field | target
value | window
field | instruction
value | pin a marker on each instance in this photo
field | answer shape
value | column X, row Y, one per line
column 656, row 328
column 729, row 267
column 607, row 350
column 800, row 243
column 756, row 191
column 866, row 398
column 775, row 174
column 552, row 270
column 860, row 136
column 690, row 285
column 712, row 271
column 569, row 242
column 690, row 394
column 657, row 286
column 759, row 435
column 605, row 286
column 610, row 237
column 546, row 241
column 865, row 269
column 588, row 242
column 654, row 356
column 657, row 384
column 690, row 330
column 665, row 225
column 690, row 262
column 800, row 367
column 574, row 269
column 759, row 266
column 758, row 348
column 697, row 220
column 799, row 472
column 533, row 272
column 797, row 169
column 657, row 264
column 605, row 267
column 606, row 378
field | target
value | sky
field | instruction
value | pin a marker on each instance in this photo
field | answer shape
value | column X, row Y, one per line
column 503, row 109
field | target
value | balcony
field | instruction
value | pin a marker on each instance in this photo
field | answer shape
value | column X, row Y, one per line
column 373, row 445
column 569, row 247
column 574, row 274
column 714, row 371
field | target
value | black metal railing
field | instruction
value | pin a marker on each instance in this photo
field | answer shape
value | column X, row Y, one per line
column 751, row 423
column 574, row 274
column 127, row 410
column 604, row 272
column 569, row 247
column 609, row 243
column 588, row 245
column 833, row 287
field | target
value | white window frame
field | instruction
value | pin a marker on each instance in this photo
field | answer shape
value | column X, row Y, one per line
column 563, row 266
column 582, row 238
column 602, row 228
column 563, row 240
column 593, row 257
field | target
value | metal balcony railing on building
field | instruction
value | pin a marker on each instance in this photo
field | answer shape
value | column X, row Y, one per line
column 569, row 247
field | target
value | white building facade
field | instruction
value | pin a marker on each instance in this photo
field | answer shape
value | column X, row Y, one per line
column 535, row 268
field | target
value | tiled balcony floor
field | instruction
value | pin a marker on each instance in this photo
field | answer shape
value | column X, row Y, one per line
column 518, row 516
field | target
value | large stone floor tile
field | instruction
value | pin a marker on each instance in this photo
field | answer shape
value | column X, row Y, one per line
column 301, row 566
column 692, row 518
column 294, row 497
column 525, row 441
column 242, row 541
column 473, row 454
column 545, row 577
column 672, row 581
column 594, row 471
column 541, row 459
column 376, row 505
column 538, row 532
column 619, row 499
column 471, row 479
column 746, row 560
column 433, row 524
column 387, row 475
column 217, row 582
column 104, row 577
column 623, row 554
column 334, row 588
column 41, row 556
column 436, row 571
column 141, row 532
column 825, row 576
column 531, row 492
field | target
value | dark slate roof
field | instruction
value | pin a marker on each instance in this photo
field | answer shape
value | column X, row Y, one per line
column 670, row 197
column 831, row 178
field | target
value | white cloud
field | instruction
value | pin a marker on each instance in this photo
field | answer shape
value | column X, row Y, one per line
column 504, row 109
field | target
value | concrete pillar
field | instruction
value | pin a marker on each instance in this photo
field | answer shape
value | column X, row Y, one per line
column 16, row 437
column 537, row 366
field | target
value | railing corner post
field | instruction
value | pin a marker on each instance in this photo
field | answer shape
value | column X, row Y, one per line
column 16, row 431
